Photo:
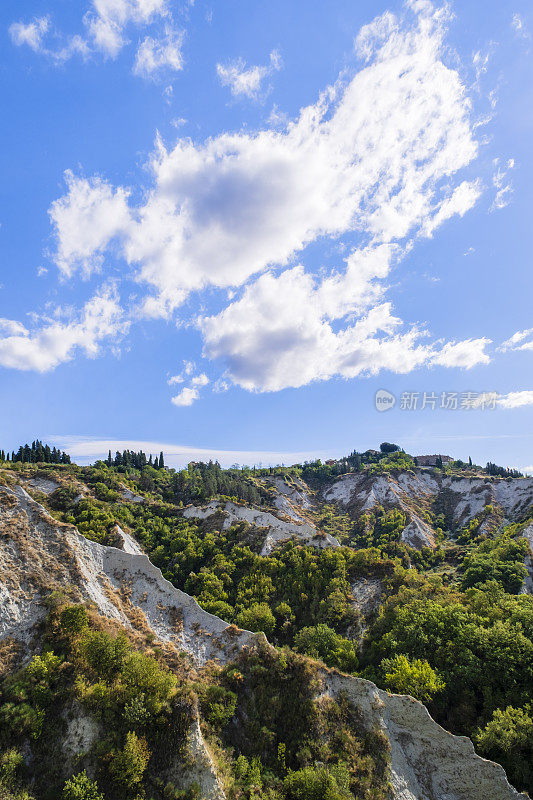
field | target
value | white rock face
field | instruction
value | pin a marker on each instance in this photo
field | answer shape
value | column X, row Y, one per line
column 292, row 499
column 39, row 554
column 367, row 594
column 427, row 762
column 127, row 542
column 277, row 530
column 414, row 490
column 44, row 485
column 129, row 496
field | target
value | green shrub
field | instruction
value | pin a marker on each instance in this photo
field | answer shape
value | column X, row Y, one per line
column 322, row 642
column 80, row 787
column 127, row 766
column 218, row 704
column 317, row 783
column 508, row 739
column 415, row 677
column 73, row 620
column 258, row 617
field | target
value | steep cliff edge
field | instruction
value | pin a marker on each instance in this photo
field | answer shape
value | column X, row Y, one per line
column 39, row 555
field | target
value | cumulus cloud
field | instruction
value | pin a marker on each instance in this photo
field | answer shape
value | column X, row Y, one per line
column 56, row 340
column 281, row 333
column 106, row 21
column 247, row 81
column 372, row 165
column 31, row 34
column 466, row 354
column 104, row 212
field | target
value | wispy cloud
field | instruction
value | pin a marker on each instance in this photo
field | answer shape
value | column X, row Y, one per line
column 247, row 81
column 503, row 186
column 105, row 23
column 518, row 25
column 521, row 340
column 86, row 449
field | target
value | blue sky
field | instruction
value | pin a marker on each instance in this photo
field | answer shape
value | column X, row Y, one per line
column 225, row 227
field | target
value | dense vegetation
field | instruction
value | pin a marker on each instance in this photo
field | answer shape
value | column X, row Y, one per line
column 273, row 738
column 449, row 627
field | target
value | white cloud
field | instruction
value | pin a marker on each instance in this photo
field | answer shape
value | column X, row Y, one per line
column 155, row 56
column 281, row 333
column 504, row 189
column 373, row 161
column 517, row 23
column 31, row 33
column 107, row 19
column 87, row 219
column 467, row 354
column 517, row 341
column 509, row 400
column 516, row 399
column 86, row 449
column 374, row 157
column 57, row 339
column 247, row 81
column 189, row 394
column 188, row 369
column 106, row 23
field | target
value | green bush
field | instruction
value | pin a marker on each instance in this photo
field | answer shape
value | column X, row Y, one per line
column 258, row 617
column 508, row 739
column 416, row 677
column 127, row 766
column 80, row 787
column 73, row 620
column 322, row 642
column 317, row 783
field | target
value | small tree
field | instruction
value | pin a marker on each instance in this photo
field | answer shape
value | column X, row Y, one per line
column 388, row 447
column 80, row 787
column 416, row 677
column 73, row 620
column 129, row 764
column 258, row 617
column 508, row 739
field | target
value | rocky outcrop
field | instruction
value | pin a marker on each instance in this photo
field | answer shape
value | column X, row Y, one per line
column 427, row 762
column 419, row 491
column 39, row 554
column 292, row 499
column 276, row 530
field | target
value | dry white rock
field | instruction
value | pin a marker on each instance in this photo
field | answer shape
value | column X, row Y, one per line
column 276, row 530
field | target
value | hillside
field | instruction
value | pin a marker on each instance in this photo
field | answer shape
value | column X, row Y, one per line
column 136, row 603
